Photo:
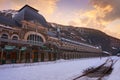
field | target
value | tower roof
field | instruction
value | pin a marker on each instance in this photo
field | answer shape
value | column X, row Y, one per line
column 28, row 7
column 30, row 14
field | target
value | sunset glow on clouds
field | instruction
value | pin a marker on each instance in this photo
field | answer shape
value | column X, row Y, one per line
column 98, row 14
column 44, row 6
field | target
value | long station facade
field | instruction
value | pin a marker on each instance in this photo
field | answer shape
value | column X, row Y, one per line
column 24, row 38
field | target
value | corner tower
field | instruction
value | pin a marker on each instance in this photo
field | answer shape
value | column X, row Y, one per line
column 28, row 13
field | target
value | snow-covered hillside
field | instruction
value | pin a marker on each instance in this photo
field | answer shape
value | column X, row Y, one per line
column 56, row 70
column 9, row 13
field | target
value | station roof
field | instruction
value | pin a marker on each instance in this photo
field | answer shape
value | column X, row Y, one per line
column 7, row 21
column 30, row 14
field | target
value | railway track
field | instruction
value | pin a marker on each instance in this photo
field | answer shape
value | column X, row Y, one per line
column 100, row 71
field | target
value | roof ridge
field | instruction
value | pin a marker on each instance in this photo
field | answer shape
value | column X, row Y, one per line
column 28, row 7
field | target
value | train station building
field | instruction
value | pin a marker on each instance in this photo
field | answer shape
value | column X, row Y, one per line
column 24, row 38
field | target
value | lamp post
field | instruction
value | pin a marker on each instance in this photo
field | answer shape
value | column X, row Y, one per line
column 100, row 50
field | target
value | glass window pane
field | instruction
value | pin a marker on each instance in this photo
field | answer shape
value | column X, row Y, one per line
column 35, row 38
column 15, row 38
column 5, row 36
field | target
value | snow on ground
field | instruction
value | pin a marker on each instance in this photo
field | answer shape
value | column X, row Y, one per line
column 56, row 70
column 115, row 75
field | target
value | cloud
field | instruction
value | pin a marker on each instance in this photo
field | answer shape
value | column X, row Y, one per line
column 114, row 34
column 105, row 16
column 72, row 23
column 112, row 5
column 113, row 28
column 96, row 16
column 88, row 18
column 44, row 6
column 106, row 12
column 102, row 14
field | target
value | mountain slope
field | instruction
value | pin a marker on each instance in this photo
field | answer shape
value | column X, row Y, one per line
column 89, row 36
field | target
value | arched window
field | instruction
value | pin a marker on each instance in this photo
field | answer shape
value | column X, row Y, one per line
column 34, row 38
column 14, row 38
column 5, row 36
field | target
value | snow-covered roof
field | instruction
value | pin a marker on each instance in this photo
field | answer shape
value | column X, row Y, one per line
column 7, row 21
column 114, row 48
column 78, row 43
column 106, row 52
column 7, row 27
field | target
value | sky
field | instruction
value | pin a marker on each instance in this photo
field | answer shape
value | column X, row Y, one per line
column 103, row 15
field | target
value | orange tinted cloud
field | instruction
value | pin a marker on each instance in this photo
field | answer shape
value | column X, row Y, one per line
column 113, row 28
column 44, row 6
column 94, row 18
column 104, row 12
column 107, row 5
